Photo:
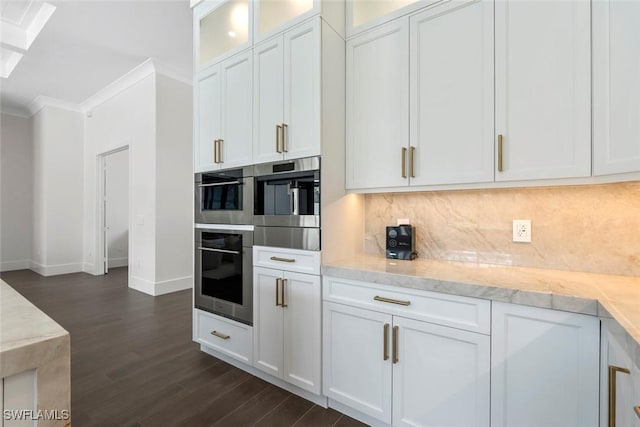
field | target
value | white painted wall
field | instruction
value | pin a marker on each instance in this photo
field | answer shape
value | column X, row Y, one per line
column 174, row 180
column 16, row 192
column 126, row 119
column 117, row 207
column 57, row 191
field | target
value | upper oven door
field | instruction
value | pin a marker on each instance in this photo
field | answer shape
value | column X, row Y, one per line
column 224, row 197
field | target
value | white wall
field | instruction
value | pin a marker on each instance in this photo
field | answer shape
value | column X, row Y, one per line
column 127, row 118
column 16, row 192
column 174, row 180
column 117, row 209
column 57, row 191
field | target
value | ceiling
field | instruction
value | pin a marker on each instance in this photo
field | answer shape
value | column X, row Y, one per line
column 86, row 45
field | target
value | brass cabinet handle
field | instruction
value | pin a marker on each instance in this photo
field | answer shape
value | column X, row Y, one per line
column 220, row 335
column 385, row 345
column 284, row 282
column 500, row 168
column 637, row 409
column 220, row 141
column 277, row 291
column 395, row 344
column 215, row 151
column 613, row 370
column 277, row 258
column 412, row 151
column 404, row 166
column 391, row 301
column 284, row 138
column 278, row 130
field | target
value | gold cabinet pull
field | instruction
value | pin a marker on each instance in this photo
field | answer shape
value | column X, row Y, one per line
column 220, row 335
column 277, row 291
column 278, row 130
column 613, row 370
column 220, row 141
column 637, row 410
column 284, row 282
column 385, row 345
column 391, row 301
column 277, row 258
column 395, row 344
column 500, row 168
column 412, row 151
column 404, row 165
column 215, row 151
column 284, row 138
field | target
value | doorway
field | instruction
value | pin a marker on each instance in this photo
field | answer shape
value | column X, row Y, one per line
column 114, row 210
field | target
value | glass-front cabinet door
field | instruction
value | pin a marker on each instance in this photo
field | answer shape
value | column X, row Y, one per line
column 272, row 16
column 364, row 14
column 221, row 28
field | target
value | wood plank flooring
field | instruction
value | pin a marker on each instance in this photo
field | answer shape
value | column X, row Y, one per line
column 133, row 362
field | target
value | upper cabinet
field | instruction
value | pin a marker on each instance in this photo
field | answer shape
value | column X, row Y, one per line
column 273, row 16
column 220, row 29
column 365, row 14
column 616, row 86
column 543, row 89
column 287, row 95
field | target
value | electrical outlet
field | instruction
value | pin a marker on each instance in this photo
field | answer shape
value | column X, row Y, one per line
column 522, row 230
column 403, row 221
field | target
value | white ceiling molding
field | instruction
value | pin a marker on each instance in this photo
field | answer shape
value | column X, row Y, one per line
column 44, row 101
column 194, row 3
column 15, row 111
column 10, row 59
column 20, row 32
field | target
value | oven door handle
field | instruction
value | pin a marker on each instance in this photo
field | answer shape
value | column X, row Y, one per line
column 219, row 184
column 224, row 251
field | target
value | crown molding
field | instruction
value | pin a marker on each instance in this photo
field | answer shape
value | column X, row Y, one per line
column 44, row 101
column 194, row 3
column 15, row 111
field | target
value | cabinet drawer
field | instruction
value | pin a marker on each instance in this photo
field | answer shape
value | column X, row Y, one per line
column 226, row 336
column 287, row 259
column 466, row 313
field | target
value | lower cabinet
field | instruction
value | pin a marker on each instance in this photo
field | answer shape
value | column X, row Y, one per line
column 403, row 371
column 287, row 326
column 544, row 369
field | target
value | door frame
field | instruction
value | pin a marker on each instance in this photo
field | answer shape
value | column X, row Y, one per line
column 100, row 209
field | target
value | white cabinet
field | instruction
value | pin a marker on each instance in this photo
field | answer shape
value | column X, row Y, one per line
column 544, row 368
column 452, row 112
column 616, row 86
column 543, row 89
column 19, row 392
column 220, row 29
column 229, row 337
column 273, row 16
column 377, row 107
column 287, row 330
column 619, row 378
column 224, row 111
column 287, row 95
column 400, row 370
column 365, row 14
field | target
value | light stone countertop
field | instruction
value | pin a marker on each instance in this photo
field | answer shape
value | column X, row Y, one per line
column 29, row 339
column 601, row 295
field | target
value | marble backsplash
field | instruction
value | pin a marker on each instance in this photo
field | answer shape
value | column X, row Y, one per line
column 593, row 228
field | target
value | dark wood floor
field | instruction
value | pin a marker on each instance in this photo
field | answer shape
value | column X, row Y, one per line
column 133, row 362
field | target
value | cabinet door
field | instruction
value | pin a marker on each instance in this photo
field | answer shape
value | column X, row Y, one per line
column 236, row 73
column 357, row 372
column 441, row 377
column 616, row 354
column 378, row 107
column 543, row 88
column 616, row 86
column 208, row 126
column 267, row 321
column 544, row 367
column 274, row 16
column 452, row 94
column 302, row 330
column 268, row 100
column 302, row 91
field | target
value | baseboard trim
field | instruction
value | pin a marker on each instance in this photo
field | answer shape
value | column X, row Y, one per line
column 317, row 399
column 56, row 269
column 118, row 262
column 160, row 288
column 22, row 264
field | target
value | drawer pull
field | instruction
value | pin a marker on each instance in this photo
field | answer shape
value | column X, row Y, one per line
column 391, row 301
column 277, row 258
column 613, row 370
column 385, row 346
column 395, row 345
column 220, row 335
column 637, row 409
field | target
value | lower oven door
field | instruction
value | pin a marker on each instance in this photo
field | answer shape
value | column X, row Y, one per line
column 224, row 273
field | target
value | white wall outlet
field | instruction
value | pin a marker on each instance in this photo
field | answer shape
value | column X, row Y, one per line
column 403, row 221
column 522, row 230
